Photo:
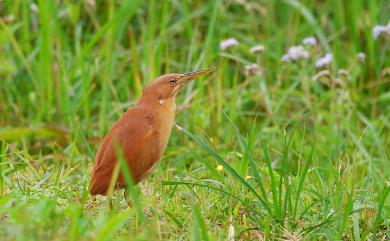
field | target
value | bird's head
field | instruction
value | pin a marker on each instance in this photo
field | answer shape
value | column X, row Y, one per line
column 168, row 85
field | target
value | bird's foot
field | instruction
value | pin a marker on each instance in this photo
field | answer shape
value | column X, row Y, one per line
column 127, row 198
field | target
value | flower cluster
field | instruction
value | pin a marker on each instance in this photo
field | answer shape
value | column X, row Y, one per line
column 228, row 43
column 361, row 57
column 320, row 74
column 310, row 41
column 381, row 29
column 257, row 49
column 298, row 53
column 251, row 68
column 324, row 61
column 295, row 53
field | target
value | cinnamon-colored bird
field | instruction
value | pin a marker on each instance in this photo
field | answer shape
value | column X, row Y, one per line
column 142, row 133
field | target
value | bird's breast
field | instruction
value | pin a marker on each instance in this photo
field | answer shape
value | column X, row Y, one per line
column 166, row 120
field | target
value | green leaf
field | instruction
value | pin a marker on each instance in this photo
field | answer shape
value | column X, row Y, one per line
column 113, row 225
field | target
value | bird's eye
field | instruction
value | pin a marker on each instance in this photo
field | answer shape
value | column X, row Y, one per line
column 173, row 81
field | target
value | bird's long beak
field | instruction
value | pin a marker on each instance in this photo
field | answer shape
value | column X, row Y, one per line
column 196, row 74
column 187, row 77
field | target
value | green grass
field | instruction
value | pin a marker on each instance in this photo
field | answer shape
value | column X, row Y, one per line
column 301, row 160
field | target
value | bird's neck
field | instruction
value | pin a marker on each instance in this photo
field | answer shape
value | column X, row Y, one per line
column 154, row 101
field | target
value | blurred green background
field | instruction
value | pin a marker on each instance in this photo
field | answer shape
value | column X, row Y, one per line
column 311, row 161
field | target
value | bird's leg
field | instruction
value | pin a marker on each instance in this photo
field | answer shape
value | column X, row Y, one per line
column 117, row 199
column 127, row 198
column 110, row 204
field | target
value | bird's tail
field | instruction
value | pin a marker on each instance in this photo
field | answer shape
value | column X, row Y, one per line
column 99, row 184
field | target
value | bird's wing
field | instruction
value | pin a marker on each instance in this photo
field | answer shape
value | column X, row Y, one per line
column 130, row 132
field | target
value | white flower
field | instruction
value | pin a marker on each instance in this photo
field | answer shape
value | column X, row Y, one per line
column 285, row 58
column 320, row 74
column 377, row 30
column 228, row 43
column 252, row 69
column 34, row 7
column 361, row 57
column 311, row 41
column 295, row 53
column 381, row 29
column 324, row 61
column 257, row 49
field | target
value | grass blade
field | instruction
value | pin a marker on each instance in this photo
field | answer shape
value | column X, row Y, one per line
column 112, row 225
column 175, row 183
column 220, row 160
column 199, row 224
column 301, row 182
column 258, row 179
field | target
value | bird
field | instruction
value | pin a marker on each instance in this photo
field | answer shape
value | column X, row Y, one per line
column 141, row 133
